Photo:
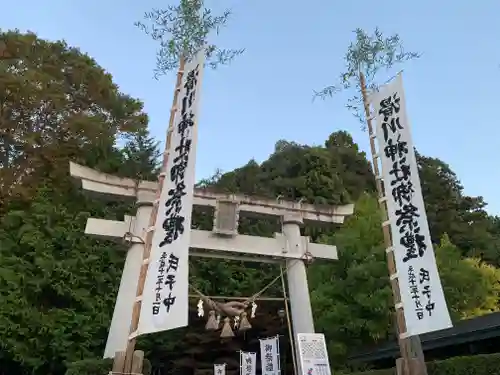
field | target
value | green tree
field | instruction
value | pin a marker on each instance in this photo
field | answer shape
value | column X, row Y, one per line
column 56, row 104
column 141, row 156
column 472, row 287
column 492, row 252
column 354, row 170
column 183, row 30
column 57, row 286
column 461, row 217
column 352, row 298
column 368, row 54
column 335, row 174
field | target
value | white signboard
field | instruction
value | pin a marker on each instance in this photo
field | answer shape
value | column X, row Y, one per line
column 248, row 363
column 269, row 356
column 422, row 296
column 220, row 369
column 313, row 354
column 165, row 296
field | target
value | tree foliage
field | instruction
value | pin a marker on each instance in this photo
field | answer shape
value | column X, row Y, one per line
column 472, row 287
column 368, row 54
column 334, row 174
column 141, row 156
column 462, row 218
column 183, row 30
column 352, row 297
column 56, row 104
column 57, row 286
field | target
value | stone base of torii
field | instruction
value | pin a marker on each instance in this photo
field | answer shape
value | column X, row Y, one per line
column 222, row 242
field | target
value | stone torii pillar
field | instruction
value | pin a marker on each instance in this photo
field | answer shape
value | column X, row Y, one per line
column 222, row 242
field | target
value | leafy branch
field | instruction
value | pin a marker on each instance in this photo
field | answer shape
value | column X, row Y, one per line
column 369, row 54
column 183, row 30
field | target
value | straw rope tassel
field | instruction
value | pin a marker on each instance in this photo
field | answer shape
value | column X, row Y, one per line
column 244, row 323
column 226, row 329
column 212, row 324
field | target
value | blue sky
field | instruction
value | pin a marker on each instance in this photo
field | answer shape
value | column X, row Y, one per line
column 293, row 47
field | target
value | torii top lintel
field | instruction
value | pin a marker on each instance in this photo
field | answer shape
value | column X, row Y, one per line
column 145, row 191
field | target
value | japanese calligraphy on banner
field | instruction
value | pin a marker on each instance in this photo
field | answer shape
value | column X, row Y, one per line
column 269, row 356
column 165, row 296
column 422, row 296
column 248, row 363
column 313, row 354
column 220, row 369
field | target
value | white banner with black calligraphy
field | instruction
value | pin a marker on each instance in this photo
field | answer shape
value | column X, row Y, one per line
column 269, row 356
column 248, row 363
column 422, row 295
column 165, row 295
column 220, row 369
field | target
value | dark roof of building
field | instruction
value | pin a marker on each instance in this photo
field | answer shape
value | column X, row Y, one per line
column 464, row 331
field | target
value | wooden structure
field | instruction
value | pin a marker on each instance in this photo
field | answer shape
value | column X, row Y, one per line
column 479, row 335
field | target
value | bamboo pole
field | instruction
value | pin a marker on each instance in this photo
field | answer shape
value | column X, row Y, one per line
column 149, row 234
column 289, row 325
column 409, row 347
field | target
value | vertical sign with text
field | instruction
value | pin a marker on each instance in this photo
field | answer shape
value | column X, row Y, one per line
column 165, row 296
column 313, row 354
column 422, row 295
column 220, row 369
column 269, row 356
column 248, row 363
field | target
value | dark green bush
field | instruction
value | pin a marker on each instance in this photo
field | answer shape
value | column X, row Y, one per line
column 483, row 364
column 390, row 371
column 98, row 366
column 94, row 366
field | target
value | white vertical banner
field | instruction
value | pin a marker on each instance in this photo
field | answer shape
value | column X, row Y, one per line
column 248, row 363
column 422, row 296
column 220, row 369
column 269, row 356
column 165, row 296
column 313, row 354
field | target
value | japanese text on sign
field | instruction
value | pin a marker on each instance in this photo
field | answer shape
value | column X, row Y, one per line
column 220, row 369
column 248, row 363
column 313, row 354
column 421, row 292
column 269, row 356
column 165, row 297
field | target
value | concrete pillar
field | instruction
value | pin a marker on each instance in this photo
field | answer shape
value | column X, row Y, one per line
column 122, row 315
column 300, row 303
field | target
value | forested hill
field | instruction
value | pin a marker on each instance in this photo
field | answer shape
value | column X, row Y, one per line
column 58, row 286
column 340, row 173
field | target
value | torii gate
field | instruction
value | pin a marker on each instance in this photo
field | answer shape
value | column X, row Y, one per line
column 222, row 242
